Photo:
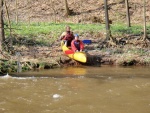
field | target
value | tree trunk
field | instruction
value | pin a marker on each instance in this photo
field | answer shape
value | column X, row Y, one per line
column 107, row 20
column 127, row 13
column 16, row 4
column 144, row 18
column 67, row 8
column 2, row 38
column 111, row 41
column 9, row 23
column 53, row 8
column 8, row 19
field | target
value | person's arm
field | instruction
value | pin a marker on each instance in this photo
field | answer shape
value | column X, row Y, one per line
column 62, row 35
column 81, row 45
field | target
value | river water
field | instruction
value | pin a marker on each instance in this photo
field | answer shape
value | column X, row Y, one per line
column 77, row 90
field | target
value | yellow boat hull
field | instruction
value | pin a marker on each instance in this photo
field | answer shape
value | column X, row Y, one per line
column 78, row 56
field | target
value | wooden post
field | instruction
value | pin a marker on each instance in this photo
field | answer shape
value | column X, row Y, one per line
column 19, row 67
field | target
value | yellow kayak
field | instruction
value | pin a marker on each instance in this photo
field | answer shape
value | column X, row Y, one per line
column 78, row 56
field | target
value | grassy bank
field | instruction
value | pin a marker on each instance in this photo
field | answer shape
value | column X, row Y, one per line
column 29, row 38
column 47, row 28
column 55, row 29
column 48, row 33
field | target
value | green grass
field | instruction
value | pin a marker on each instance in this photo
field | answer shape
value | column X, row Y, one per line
column 46, row 28
column 123, row 29
column 51, row 31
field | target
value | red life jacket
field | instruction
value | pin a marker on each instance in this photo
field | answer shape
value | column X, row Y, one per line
column 77, row 45
column 69, row 36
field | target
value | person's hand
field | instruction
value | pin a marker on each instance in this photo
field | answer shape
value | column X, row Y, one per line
column 76, row 51
column 81, row 50
column 65, row 42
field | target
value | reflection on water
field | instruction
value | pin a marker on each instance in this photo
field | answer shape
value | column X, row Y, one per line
column 77, row 90
column 104, row 71
column 59, row 72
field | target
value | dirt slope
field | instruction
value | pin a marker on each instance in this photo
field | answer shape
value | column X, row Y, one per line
column 84, row 11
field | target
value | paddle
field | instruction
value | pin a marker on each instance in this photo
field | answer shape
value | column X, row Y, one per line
column 87, row 41
column 69, row 52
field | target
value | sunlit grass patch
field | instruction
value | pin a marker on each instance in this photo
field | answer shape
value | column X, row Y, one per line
column 58, row 28
column 46, row 28
column 49, row 32
column 123, row 29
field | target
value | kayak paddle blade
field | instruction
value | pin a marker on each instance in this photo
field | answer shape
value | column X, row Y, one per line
column 87, row 41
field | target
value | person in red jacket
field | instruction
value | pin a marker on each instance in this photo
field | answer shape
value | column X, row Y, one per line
column 67, row 36
column 77, row 45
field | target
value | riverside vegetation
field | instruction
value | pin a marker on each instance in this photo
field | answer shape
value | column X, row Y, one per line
column 37, row 46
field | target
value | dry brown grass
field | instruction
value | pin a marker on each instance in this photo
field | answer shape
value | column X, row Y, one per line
column 83, row 10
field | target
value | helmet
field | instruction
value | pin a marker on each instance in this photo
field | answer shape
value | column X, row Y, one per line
column 76, row 35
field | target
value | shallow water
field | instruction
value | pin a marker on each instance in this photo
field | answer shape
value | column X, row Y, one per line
column 77, row 90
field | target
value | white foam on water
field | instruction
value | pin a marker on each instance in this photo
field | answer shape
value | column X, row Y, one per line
column 56, row 96
column 14, row 77
column 23, row 78
column 6, row 76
